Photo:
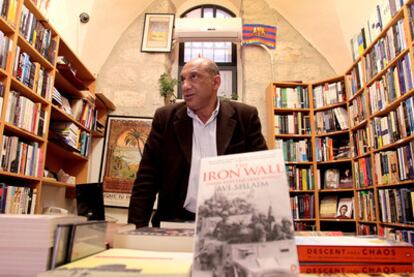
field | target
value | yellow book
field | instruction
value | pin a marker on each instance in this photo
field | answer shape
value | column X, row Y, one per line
column 128, row 262
column 304, row 179
column 11, row 14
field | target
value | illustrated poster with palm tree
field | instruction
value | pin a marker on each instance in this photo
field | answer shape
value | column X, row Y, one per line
column 124, row 144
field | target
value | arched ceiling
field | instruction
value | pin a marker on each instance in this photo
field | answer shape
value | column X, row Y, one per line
column 328, row 25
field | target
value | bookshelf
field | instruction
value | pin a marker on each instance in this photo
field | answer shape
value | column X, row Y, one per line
column 290, row 119
column 377, row 99
column 49, row 112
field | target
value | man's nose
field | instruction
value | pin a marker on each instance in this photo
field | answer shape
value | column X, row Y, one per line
column 185, row 84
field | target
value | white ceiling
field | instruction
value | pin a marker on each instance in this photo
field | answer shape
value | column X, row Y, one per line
column 327, row 24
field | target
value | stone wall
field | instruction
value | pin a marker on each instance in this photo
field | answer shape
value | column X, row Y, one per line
column 130, row 78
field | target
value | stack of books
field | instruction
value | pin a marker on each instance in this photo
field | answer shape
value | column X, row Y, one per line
column 67, row 133
column 26, row 242
column 350, row 254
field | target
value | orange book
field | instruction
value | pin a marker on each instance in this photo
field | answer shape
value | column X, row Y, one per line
column 353, row 249
column 366, row 268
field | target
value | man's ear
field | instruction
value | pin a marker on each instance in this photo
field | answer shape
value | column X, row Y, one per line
column 217, row 81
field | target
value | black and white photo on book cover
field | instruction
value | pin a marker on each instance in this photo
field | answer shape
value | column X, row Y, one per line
column 244, row 223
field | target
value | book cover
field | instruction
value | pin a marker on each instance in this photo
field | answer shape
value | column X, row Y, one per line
column 60, row 247
column 127, row 262
column 327, row 208
column 156, row 239
column 353, row 249
column 244, row 222
column 331, row 178
column 345, row 208
column 86, row 238
column 74, row 241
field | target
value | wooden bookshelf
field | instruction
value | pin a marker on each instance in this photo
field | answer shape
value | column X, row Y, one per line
column 28, row 125
column 379, row 100
column 290, row 123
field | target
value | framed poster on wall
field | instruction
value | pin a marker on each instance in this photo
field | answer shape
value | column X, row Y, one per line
column 157, row 33
column 124, row 142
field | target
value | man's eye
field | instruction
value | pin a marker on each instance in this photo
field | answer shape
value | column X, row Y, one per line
column 194, row 76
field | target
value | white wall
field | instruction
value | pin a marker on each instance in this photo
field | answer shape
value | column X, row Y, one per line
column 328, row 25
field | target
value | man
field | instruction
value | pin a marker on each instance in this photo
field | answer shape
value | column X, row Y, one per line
column 180, row 136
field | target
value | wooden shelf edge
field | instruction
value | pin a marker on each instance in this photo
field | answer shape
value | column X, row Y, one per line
column 51, row 182
column 105, row 100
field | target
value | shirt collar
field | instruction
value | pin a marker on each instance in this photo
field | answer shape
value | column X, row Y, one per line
column 214, row 114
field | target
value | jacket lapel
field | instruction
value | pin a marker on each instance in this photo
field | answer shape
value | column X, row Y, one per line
column 183, row 127
column 225, row 127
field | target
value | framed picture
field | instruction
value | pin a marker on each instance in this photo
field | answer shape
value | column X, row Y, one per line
column 158, row 31
column 124, row 142
column 331, row 178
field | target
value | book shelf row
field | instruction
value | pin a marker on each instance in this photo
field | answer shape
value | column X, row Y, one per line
column 358, row 150
column 49, row 110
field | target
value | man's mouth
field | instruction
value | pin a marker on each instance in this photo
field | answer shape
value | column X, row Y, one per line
column 188, row 96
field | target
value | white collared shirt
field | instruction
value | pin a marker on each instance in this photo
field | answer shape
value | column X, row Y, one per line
column 204, row 145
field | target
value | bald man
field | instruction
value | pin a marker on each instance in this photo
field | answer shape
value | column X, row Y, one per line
column 182, row 134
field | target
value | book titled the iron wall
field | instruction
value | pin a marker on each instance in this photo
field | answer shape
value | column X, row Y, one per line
column 244, row 220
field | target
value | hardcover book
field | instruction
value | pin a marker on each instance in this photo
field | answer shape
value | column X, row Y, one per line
column 352, row 249
column 358, row 268
column 244, row 221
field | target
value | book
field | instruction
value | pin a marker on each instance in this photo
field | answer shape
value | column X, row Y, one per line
column 33, row 248
column 319, row 233
column 327, row 207
column 331, row 178
column 156, row 239
column 177, row 224
column 243, row 219
column 127, row 262
column 353, row 249
column 345, row 207
column 86, row 238
column 366, row 268
column 60, row 247
column 345, row 178
column 78, row 239
column 113, row 227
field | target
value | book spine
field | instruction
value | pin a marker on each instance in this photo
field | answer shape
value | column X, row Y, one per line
column 333, row 268
column 379, row 254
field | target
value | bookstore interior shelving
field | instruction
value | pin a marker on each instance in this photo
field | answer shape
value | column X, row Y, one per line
column 50, row 112
column 349, row 140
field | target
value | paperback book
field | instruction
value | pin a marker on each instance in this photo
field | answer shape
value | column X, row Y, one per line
column 244, row 222
column 156, row 239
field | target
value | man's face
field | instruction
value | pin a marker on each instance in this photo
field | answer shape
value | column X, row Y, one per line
column 199, row 87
